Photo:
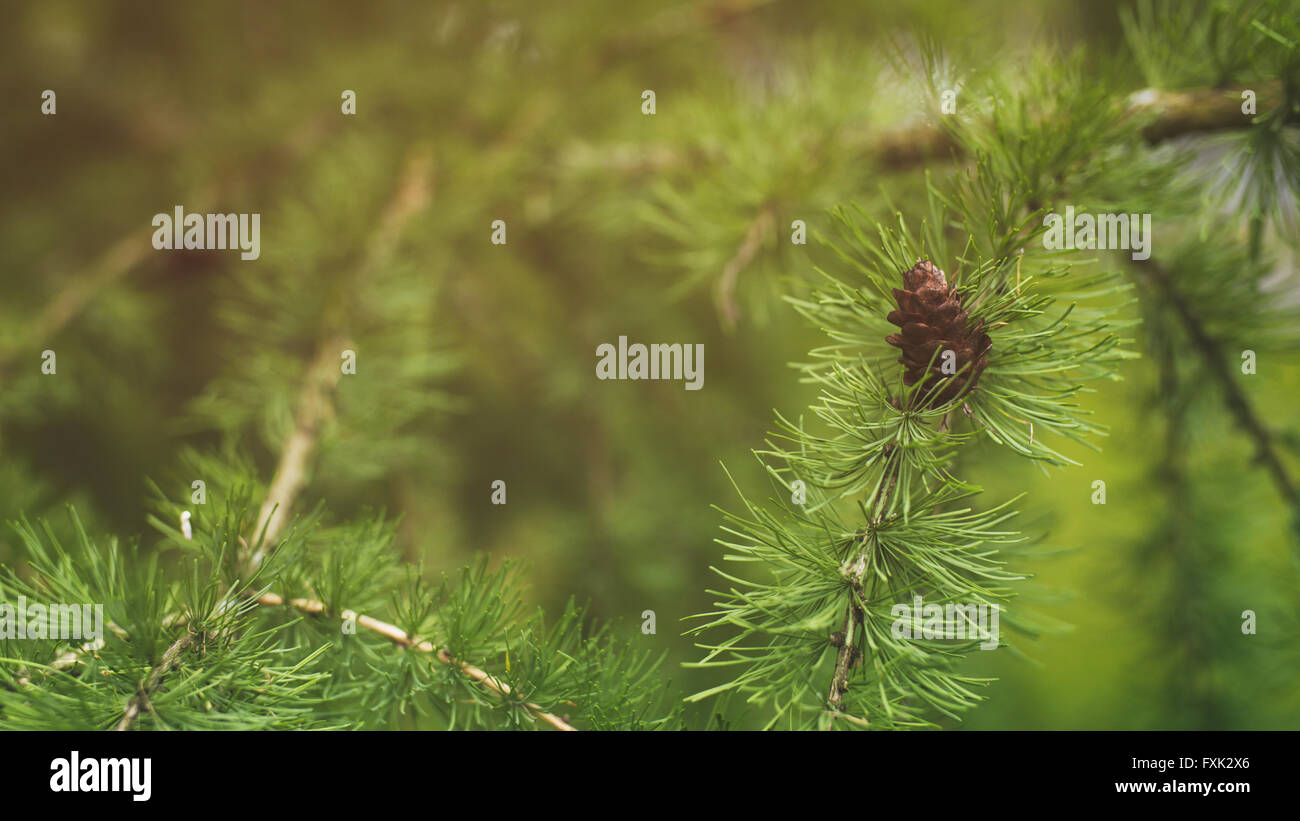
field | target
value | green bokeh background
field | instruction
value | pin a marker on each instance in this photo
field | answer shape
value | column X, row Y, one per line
column 610, row 483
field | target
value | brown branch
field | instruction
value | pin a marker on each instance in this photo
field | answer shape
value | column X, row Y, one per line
column 314, row 407
column 1179, row 113
column 70, row 658
column 115, row 262
column 749, row 247
column 141, row 699
column 399, row 636
column 855, row 570
column 315, row 398
column 129, row 252
column 414, row 192
column 1175, row 114
column 1234, row 396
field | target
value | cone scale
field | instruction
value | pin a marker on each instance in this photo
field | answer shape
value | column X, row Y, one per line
column 931, row 321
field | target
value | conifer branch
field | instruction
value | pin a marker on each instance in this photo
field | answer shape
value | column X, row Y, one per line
column 855, row 570
column 71, row 657
column 114, row 263
column 132, row 250
column 140, row 700
column 847, row 649
column 400, row 637
column 1173, row 548
column 314, row 407
column 1177, row 113
column 314, row 399
column 749, row 247
column 1234, row 397
column 876, row 517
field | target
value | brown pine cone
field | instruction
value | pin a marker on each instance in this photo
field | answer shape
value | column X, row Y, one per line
column 931, row 319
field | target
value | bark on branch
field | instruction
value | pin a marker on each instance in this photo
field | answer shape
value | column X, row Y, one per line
column 400, row 637
column 140, row 700
column 1174, row 114
column 315, row 399
column 1234, row 397
column 855, row 571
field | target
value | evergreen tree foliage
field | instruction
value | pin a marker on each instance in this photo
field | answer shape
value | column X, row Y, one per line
column 323, row 425
column 884, row 524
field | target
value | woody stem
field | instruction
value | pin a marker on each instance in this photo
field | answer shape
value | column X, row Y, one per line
column 855, row 571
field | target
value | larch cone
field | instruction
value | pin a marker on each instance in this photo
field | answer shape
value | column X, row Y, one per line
column 930, row 318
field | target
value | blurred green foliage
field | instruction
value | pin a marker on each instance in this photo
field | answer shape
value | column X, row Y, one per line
column 619, row 224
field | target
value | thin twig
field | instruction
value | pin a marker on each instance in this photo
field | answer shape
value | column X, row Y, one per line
column 314, row 399
column 141, row 699
column 399, row 636
column 844, row 658
column 1234, row 396
column 130, row 251
column 1176, row 114
column 1179, row 113
column 855, row 570
column 314, row 407
column 749, row 248
column 70, row 658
